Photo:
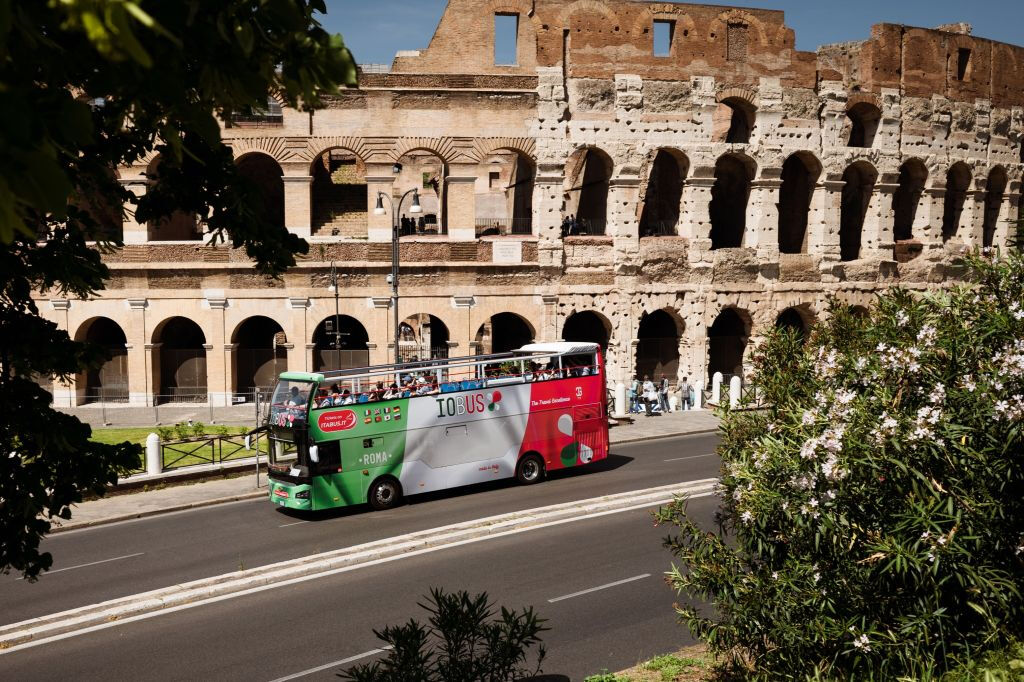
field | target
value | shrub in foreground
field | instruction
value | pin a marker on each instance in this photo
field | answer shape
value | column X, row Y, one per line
column 463, row 641
column 872, row 522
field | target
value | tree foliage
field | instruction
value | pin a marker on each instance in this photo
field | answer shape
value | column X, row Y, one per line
column 872, row 523
column 87, row 86
column 463, row 642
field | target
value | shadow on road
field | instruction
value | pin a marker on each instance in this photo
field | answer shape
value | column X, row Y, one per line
column 610, row 463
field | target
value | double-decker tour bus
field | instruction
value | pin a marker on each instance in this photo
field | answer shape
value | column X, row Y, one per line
column 373, row 434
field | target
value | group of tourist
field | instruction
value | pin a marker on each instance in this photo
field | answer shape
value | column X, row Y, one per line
column 410, row 386
column 651, row 399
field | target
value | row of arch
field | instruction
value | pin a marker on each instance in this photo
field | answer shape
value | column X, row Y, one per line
column 259, row 348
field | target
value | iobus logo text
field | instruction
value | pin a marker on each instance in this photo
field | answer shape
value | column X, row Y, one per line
column 467, row 404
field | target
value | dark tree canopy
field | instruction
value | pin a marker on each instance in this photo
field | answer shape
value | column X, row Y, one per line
column 87, row 86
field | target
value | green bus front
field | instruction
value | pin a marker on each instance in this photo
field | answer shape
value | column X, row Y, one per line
column 311, row 470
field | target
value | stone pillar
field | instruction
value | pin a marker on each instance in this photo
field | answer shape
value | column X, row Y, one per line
column 298, row 204
column 140, row 387
column 64, row 393
column 877, row 240
column 379, row 178
column 153, row 363
column 465, row 330
column 217, row 359
column 231, row 371
column 623, row 196
column 695, row 222
column 134, row 233
column 823, row 223
column 1008, row 212
column 549, row 319
column 763, row 218
column 928, row 221
column 547, row 213
column 972, row 218
column 384, row 351
column 460, row 191
column 300, row 352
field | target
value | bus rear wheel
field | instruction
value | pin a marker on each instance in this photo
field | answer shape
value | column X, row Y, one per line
column 530, row 470
column 384, row 494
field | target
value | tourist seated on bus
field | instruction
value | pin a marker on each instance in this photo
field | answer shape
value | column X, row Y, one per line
column 322, row 399
column 434, row 388
column 346, row 398
column 296, row 399
column 392, row 392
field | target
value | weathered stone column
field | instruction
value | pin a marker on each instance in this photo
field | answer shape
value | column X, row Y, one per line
column 1008, row 212
column 382, row 346
column 928, row 221
column 460, row 187
column 134, row 232
column 549, row 318
column 64, row 393
column 824, row 219
column 972, row 218
column 695, row 224
column 153, row 364
column 379, row 178
column 762, row 230
column 217, row 357
column 298, row 209
column 547, row 213
column 877, row 240
column 140, row 390
column 300, row 354
column 465, row 332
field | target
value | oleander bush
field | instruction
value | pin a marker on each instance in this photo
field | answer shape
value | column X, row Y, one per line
column 872, row 518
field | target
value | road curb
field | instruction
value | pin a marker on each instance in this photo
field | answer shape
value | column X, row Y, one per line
column 256, row 494
column 35, row 630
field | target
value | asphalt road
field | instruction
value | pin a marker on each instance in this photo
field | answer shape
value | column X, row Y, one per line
column 289, row 630
column 105, row 562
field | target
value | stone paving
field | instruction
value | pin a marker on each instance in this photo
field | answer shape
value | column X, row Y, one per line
column 137, row 504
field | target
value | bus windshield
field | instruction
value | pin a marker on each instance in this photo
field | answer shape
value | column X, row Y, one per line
column 290, row 401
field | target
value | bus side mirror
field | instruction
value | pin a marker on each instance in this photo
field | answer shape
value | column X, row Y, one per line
column 314, row 454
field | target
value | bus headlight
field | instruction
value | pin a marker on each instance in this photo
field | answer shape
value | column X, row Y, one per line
column 302, row 495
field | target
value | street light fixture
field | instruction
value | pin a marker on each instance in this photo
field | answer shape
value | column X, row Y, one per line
column 395, row 213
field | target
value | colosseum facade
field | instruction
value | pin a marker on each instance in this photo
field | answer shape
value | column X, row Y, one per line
column 668, row 179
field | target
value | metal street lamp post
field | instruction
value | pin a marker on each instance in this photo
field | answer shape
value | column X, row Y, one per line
column 395, row 213
column 337, row 328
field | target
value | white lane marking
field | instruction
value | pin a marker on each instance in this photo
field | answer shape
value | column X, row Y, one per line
column 679, row 459
column 600, row 587
column 91, row 563
column 285, row 525
column 350, row 659
column 162, row 515
column 344, row 569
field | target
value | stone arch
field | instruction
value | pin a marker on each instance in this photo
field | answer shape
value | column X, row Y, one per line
column 340, row 342
column 657, row 347
column 800, row 173
column 601, row 8
column 995, row 187
column 178, row 225
column 907, row 197
column 109, row 381
column 503, row 332
column 266, row 175
column 727, row 337
column 858, row 185
column 863, row 117
column 663, row 192
column 735, row 116
column 729, row 195
column 442, row 147
column 588, row 172
column 316, row 146
column 685, row 25
column 426, row 170
column 958, row 181
column 734, row 15
column 259, row 355
column 504, row 194
column 338, row 193
column 179, row 361
column 423, row 336
column 275, row 147
column 485, row 146
column 798, row 318
column 587, row 325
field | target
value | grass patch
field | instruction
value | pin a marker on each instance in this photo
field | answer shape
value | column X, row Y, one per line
column 690, row 664
column 138, row 436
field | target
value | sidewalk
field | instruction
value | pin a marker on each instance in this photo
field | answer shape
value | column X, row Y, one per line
column 138, row 504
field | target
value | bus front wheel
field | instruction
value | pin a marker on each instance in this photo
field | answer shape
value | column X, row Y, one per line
column 384, row 494
column 530, row 470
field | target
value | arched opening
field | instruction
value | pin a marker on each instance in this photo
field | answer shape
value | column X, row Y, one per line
column 663, row 196
column 102, row 213
column 340, row 342
column 733, row 121
column 426, row 172
column 502, row 333
column 657, row 346
column 259, row 355
column 907, row 197
column 958, row 180
column 180, row 361
column 178, row 225
column 338, row 194
column 504, row 194
column 587, row 326
column 422, row 337
column 994, row 189
column 864, row 118
column 109, row 381
column 587, row 177
column 265, row 174
column 790, row 318
column 799, row 175
column 727, row 341
column 858, row 184
column 729, row 196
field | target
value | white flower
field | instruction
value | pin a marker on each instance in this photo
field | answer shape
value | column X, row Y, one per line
column 747, row 517
column 814, row 502
column 831, row 494
column 938, row 394
column 927, row 335
column 925, row 535
column 902, row 318
column 775, row 575
column 817, row 576
column 862, row 643
column 941, row 540
column 809, row 417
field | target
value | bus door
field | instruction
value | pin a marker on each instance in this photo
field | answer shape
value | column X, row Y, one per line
column 590, row 431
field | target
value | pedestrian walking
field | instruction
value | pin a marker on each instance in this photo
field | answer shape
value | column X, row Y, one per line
column 663, row 393
column 684, row 393
column 633, row 394
column 650, row 393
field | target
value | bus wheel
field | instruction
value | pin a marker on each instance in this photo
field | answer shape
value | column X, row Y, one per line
column 384, row 494
column 530, row 470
